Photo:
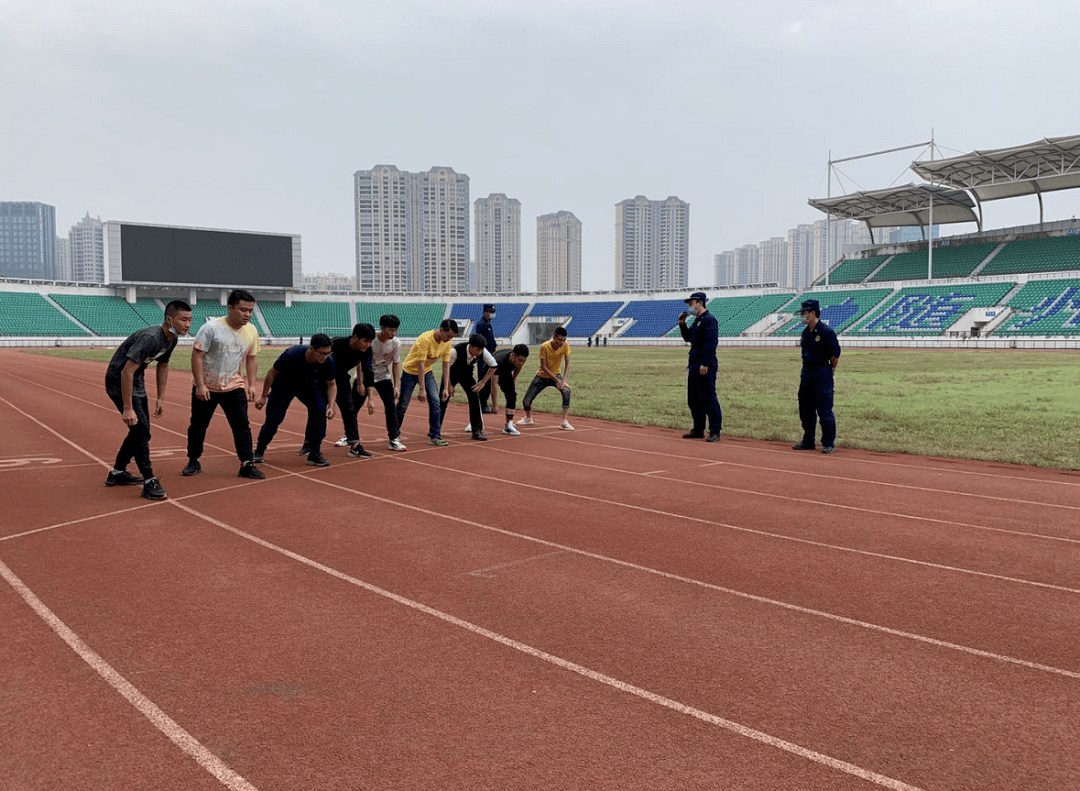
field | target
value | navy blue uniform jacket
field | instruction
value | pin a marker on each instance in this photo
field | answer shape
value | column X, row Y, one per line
column 483, row 327
column 818, row 345
column 702, row 336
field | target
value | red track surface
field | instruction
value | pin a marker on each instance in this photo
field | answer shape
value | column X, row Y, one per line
column 609, row 609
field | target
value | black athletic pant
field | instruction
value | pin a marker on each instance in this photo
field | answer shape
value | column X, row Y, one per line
column 466, row 381
column 277, row 404
column 385, row 389
column 234, row 404
column 136, row 444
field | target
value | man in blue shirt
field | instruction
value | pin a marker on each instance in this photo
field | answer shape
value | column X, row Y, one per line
column 702, row 336
column 300, row 372
column 483, row 327
column 820, row 356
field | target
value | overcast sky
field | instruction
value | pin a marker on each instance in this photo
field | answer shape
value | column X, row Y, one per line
column 255, row 114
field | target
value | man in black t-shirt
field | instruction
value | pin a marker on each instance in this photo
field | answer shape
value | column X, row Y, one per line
column 351, row 352
column 508, row 364
column 300, row 372
column 125, row 385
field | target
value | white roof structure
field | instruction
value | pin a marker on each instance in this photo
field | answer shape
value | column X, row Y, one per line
column 900, row 206
column 1043, row 166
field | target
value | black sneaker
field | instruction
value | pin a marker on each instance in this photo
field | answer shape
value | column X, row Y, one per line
column 479, row 436
column 304, row 451
column 693, row 435
column 151, row 489
column 257, row 458
column 251, row 471
column 122, row 478
column 828, row 449
column 318, row 460
column 800, row 446
column 358, row 452
column 714, row 437
column 193, row 468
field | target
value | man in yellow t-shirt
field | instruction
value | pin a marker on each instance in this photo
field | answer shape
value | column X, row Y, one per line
column 431, row 346
column 553, row 355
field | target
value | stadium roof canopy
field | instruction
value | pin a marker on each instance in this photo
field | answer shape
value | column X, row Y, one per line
column 1044, row 166
column 899, row 206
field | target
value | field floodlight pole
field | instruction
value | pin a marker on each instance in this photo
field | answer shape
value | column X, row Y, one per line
column 930, row 243
column 828, row 224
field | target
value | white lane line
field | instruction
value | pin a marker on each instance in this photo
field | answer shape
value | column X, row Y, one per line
column 804, row 501
column 657, row 472
column 834, row 477
column 162, row 721
column 76, row 521
column 57, row 434
column 520, row 562
column 593, row 675
column 754, row 446
column 780, row 536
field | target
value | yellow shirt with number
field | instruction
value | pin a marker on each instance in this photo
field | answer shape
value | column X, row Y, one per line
column 429, row 350
column 553, row 358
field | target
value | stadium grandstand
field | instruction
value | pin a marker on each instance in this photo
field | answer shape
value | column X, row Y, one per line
column 997, row 288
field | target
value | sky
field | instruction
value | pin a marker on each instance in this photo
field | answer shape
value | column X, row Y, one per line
column 254, row 114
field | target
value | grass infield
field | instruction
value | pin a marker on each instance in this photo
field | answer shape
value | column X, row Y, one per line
column 1010, row 406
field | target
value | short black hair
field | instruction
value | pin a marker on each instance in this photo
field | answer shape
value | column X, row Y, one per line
column 560, row 331
column 449, row 324
column 239, row 295
column 177, row 306
column 320, row 340
column 521, row 350
column 477, row 341
column 364, row 332
column 390, row 321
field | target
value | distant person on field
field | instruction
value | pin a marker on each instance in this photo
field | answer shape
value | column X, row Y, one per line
column 703, row 336
column 588, row 342
column 348, row 353
column 509, row 363
column 431, row 346
column 554, row 354
column 820, row 356
column 224, row 367
column 300, row 372
column 484, row 327
column 385, row 378
column 125, row 385
column 463, row 357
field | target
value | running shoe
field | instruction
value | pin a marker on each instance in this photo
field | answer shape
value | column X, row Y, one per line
column 800, row 446
column 358, row 452
column 122, row 478
column 342, row 443
column 714, row 437
column 251, row 471
column 318, row 460
column 468, row 429
column 525, row 421
column 566, row 426
column 511, row 430
column 479, row 436
column 438, row 442
column 395, row 444
column 828, row 449
column 193, row 468
column 151, row 489
column 304, row 451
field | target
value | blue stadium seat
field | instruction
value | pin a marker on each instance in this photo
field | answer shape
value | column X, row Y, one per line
column 585, row 318
column 507, row 315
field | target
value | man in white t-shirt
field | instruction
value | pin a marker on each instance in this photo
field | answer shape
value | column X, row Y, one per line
column 224, row 367
column 385, row 377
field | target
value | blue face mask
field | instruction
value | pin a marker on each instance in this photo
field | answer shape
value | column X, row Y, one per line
column 693, row 310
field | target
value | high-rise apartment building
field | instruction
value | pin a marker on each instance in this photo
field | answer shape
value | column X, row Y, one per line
column 498, row 244
column 63, row 258
column 799, row 249
column 652, row 244
column 772, row 259
column 724, row 268
column 747, row 265
column 86, row 240
column 28, row 240
column 412, row 230
column 558, row 252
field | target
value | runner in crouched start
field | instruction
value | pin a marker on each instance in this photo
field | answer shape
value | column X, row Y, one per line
column 463, row 357
column 348, row 353
column 552, row 354
column 508, row 364
column 385, row 378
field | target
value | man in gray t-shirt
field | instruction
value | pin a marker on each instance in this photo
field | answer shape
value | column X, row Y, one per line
column 126, row 387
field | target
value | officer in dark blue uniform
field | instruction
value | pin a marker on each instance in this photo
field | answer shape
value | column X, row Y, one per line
column 702, row 336
column 820, row 356
column 483, row 327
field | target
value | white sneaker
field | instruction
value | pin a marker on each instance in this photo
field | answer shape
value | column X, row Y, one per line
column 395, row 445
column 525, row 421
column 566, row 426
column 511, row 429
column 343, row 442
column 468, row 429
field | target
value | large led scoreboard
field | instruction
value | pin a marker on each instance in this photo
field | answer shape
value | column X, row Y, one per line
column 139, row 254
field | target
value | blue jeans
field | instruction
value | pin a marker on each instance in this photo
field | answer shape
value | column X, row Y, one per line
column 431, row 389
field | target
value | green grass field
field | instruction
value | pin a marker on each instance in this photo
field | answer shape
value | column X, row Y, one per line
column 1010, row 406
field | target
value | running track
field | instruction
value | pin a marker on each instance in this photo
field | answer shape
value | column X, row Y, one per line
column 612, row 608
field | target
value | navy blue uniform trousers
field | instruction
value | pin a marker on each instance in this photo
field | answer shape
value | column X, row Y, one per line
column 702, row 400
column 816, row 402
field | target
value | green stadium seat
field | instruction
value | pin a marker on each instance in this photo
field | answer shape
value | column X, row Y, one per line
column 954, row 260
column 1053, row 254
column 752, row 312
column 839, row 309
column 855, row 270
column 27, row 314
column 1044, row 307
column 416, row 317
column 105, row 315
column 304, row 319
column 929, row 310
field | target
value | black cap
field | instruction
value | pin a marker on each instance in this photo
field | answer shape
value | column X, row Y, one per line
column 699, row 296
column 810, row 304
column 489, row 308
